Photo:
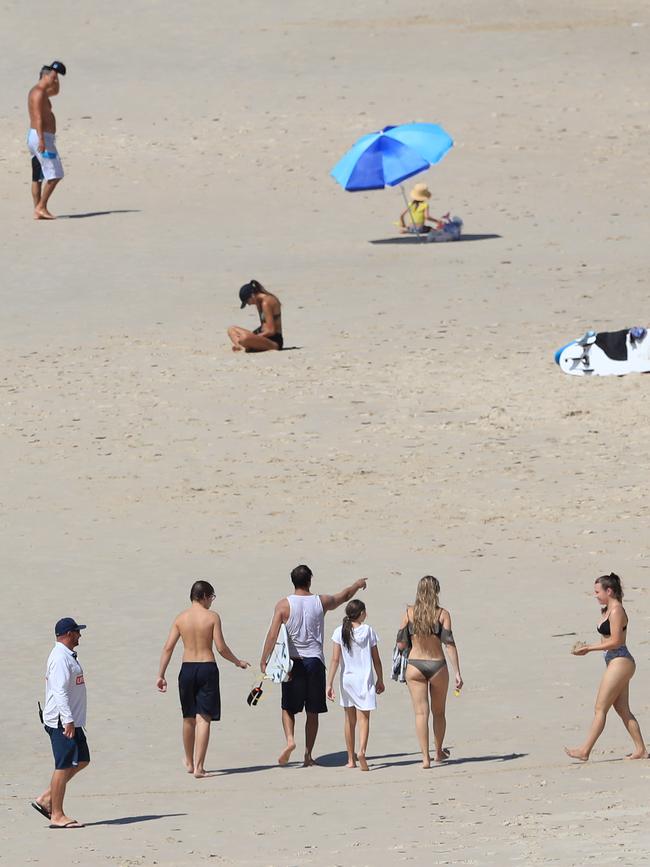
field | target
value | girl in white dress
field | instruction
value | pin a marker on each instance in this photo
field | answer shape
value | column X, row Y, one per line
column 355, row 650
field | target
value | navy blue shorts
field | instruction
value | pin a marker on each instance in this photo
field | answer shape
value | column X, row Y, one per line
column 37, row 171
column 68, row 752
column 198, row 688
column 306, row 689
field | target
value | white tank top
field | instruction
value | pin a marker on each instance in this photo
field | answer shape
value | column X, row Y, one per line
column 305, row 627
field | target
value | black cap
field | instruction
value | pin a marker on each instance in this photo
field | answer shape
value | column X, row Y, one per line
column 57, row 66
column 246, row 292
column 67, row 624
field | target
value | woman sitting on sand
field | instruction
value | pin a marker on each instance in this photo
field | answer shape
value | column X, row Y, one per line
column 269, row 334
column 428, row 627
column 614, row 686
column 418, row 213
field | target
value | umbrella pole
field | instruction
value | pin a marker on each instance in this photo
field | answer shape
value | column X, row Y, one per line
column 417, row 234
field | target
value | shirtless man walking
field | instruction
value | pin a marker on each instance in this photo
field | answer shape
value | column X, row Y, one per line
column 41, row 139
column 198, row 680
column 303, row 613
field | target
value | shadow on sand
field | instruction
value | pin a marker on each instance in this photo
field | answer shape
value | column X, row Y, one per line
column 130, row 820
column 339, row 760
column 413, row 239
column 97, row 214
column 248, row 770
column 508, row 757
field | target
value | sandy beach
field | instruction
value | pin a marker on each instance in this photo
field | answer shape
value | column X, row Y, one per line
column 419, row 424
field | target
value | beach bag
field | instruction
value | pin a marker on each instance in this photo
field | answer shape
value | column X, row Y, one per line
column 400, row 657
column 451, row 231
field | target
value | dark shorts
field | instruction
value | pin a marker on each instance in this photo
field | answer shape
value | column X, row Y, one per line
column 37, row 171
column 68, row 752
column 306, row 689
column 198, row 687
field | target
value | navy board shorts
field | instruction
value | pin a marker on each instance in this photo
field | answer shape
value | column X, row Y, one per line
column 198, row 688
column 306, row 688
column 68, row 752
column 37, row 171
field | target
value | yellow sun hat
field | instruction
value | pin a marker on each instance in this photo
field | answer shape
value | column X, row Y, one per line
column 420, row 193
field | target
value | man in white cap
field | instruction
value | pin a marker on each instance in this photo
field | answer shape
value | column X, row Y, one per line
column 41, row 139
column 64, row 717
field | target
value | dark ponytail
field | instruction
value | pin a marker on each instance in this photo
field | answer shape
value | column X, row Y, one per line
column 353, row 611
column 611, row 582
column 256, row 286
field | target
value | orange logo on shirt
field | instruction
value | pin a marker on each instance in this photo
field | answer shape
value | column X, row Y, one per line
column 80, row 679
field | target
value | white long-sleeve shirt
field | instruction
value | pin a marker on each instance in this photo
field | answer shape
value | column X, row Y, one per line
column 65, row 689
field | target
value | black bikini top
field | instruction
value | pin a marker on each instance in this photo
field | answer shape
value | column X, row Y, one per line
column 446, row 636
column 605, row 629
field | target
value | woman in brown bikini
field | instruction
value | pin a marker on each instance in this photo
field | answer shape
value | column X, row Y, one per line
column 269, row 334
column 427, row 677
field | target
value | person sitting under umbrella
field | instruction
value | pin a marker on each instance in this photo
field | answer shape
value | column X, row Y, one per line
column 418, row 212
column 269, row 334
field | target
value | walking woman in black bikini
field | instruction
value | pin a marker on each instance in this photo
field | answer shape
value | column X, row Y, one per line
column 427, row 677
column 614, row 687
column 269, row 334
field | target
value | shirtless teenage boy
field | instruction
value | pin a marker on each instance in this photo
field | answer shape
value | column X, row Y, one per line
column 198, row 680
column 269, row 334
column 41, row 139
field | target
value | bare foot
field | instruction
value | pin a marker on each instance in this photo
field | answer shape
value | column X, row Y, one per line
column 308, row 762
column 236, row 348
column 426, row 764
column 638, row 755
column 189, row 767
column 363, row 764
column 441, row 756
column 351, row 765
column 285, row 755
column 43, row 214
column 199, row 773
column 577, row 754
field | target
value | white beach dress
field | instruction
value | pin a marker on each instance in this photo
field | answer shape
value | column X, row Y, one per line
column 357, row 683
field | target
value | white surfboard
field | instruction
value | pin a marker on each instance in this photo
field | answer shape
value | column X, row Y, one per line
column 279, row 665
column 606, row 353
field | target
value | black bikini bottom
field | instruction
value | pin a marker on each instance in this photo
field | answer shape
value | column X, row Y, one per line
column 276, row 338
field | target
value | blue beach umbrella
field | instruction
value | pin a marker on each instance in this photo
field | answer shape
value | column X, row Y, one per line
column 391, row 156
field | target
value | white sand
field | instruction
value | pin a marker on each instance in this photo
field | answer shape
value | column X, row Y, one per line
column 421, row 427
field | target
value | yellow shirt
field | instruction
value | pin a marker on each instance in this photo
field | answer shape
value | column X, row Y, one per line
column 418, row 212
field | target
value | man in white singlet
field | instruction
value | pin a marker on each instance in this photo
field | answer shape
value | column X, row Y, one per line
column 303, row 613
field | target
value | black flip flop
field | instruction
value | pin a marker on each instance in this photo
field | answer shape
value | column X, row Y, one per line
column 255, row 694
column 68, row 826
column 41, row 809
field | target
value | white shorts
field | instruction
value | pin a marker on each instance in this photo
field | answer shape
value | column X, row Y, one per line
column 49, row 161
